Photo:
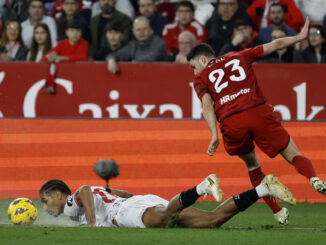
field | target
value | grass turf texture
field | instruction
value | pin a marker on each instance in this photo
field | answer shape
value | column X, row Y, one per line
column 254, row 226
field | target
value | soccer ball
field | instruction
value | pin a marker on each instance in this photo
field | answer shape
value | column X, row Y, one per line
column 22, row 211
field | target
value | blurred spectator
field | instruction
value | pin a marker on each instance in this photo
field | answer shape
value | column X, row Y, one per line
column 203, row 10
column 109, row 14
column 15, row 10
column 185, row 21
column 166, row 9
column 186, row 41
column 276, row 15
column 315, row 9
column 48, row 4
column 134, row 3
column 147, row 8
column 2, row 7
column 243, row 37
column 281, row 56
column 316, row 50
column 70, row 12
column 123, row 6
column 247, row 3
column 74, row 48
column 146, row 48
column 220, row 25
column 258, row 12
column 41, row 43
column 11, row 44
column 114, row 35
column 36, row 15
column 84, row 9
column 2, row 10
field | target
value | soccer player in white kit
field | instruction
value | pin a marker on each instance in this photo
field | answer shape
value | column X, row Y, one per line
column 97, row 206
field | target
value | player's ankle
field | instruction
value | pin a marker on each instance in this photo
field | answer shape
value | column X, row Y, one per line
column 262, row 190
column 201, row 188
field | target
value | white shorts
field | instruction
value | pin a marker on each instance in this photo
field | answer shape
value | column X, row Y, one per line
column 131, row 211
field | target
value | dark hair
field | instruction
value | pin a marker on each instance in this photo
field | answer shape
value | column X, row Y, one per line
column 281, row 28
column 242, row 22
column 114, row 26
column 55, row 185
column 74, row 0
column 185, row 4
column 74, row 24
column 153, row 1
column 201, row 49
column 30, row 2
column 4, row 39
column 323, row 33
column 277, row 4
column 35, row 45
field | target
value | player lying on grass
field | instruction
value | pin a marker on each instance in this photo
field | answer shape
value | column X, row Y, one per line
column 96, row 206
column 229, row 92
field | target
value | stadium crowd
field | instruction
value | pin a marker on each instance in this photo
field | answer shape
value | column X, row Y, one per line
column 155, row 30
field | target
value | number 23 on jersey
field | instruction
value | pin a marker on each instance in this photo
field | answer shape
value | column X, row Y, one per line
column 216, row 76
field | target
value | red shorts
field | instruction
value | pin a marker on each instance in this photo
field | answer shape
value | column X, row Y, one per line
column 254, row 125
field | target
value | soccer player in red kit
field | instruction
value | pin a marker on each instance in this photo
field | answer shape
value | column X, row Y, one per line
column 228, row 89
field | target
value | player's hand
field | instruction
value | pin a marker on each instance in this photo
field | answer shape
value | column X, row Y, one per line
column 238, row 38
column 181, row 59
column 305, row 29
column 113, row 66
column 52, row 56
column 212, row 146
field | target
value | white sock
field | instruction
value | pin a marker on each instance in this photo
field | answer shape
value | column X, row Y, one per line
column 201, row 188
column 262, row 191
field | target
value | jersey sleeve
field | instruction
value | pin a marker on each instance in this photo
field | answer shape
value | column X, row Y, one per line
column 253, row 54
column 200, row 87
column 72, row 209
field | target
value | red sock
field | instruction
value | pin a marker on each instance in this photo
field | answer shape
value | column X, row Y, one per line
column 304, row 166
column 256, row 176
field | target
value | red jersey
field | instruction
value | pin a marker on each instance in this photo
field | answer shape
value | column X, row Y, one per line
column 231, row 82
column 172, row 30
column 76, row 52
column 293, row 15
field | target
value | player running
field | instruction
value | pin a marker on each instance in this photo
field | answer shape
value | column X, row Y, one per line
column 228, row 89
column 97, row 206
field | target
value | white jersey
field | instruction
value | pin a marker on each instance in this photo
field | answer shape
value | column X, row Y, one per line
column 106, row 207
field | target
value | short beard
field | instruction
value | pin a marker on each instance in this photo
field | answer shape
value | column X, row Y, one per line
column 108, row 10
column 278, row 23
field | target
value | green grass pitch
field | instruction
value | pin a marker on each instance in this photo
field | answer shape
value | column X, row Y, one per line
column 254, row 226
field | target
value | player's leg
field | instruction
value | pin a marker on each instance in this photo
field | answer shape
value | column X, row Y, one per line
column 196, row 218
column 256, row 176
column 238, row 140
column 303, row 165
column 270, row 186
column 271, row 138
column 160, row 216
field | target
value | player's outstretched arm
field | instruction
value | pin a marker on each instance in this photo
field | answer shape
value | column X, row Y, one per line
column 121, row 193
column 210, row 118
column 286, row 41
column 85, row 199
